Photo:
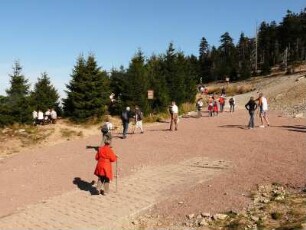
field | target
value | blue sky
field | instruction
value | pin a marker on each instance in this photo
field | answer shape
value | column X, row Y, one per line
column 49, row 35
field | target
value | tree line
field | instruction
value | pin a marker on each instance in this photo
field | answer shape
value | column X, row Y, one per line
column 172, row 75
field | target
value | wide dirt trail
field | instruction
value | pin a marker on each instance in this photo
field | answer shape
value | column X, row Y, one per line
column 49, row 188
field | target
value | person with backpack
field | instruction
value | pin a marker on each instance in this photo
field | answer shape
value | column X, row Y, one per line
column 251, row 106
column 232, row 104
column 104, row 157
column 106, row 131
column 125, row 118
column 138, row 119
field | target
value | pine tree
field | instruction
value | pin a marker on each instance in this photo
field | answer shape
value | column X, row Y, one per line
column 228, row 62
column 18, row 96
column 88, row 90
column 244, row 50
column 44, row 95
column 205, row 61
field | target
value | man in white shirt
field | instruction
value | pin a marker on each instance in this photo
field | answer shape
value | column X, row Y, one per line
column 40, row 117
column 263, row 109
column 53, row 115
column 173, row 109
column 34, row 114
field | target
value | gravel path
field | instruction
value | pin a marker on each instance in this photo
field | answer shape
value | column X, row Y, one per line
column 209, row 164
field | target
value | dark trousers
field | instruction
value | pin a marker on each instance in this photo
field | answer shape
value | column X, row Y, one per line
column 251, row 122
column 232, row 108
column 125, row 128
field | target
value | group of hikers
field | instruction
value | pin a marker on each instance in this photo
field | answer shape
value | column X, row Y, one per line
column 215, row 104
column 42, row 118
column 105, row 155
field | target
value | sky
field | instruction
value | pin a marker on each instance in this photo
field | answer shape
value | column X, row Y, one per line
column 49, row 35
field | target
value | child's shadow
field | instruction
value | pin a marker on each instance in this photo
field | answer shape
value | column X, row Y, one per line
column 86, row 186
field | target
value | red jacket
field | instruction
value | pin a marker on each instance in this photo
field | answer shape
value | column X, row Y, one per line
column 105, row 156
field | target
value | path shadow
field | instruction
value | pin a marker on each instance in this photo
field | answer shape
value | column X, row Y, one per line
column 159, row 130
column 234, row 126
column 85, row 186
column 294, row 128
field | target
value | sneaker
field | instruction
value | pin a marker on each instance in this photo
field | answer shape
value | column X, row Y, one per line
column 261, row 126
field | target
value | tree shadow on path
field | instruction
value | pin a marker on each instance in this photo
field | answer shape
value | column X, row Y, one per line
column 85, row 186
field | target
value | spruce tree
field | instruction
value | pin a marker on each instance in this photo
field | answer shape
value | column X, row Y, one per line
column 44, row 95
column 88, row 90
column 18, row 96
column 158, row 83
column 138, row 83
column 174, row 75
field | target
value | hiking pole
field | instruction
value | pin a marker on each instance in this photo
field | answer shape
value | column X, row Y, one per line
column 117, row 174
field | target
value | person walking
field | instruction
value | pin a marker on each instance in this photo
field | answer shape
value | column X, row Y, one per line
column 210, row 106
column 106, row 131
column 173, row 109
column 199, row 105
column 215, row 106
column 251, row 106
column 232, row 104
column 138, row 119
column 222, row 103
column 125, row 118
column 105, row 156
column 263, row 109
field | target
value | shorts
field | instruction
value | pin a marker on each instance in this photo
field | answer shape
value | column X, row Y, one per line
column 139, row 124
column 263, row 112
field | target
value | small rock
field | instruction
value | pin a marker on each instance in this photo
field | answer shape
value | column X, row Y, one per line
column 135, row 222
column 278, row 198
column 190, row 216
column 299, row 115
column 203, row 222
column 255, row 218
column 199, row 216
column 181, row 202
column 220, row 216
column 206, row 214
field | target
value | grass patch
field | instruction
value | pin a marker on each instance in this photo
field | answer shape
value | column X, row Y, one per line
column 67, row 133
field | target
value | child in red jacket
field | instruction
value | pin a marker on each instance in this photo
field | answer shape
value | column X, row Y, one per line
column 105, row 156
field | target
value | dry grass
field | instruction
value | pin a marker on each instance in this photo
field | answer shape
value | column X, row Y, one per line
column 68, row 133
column 232, row 89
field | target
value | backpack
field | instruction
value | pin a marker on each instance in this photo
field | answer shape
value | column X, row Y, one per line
column 104, row 129
column 140, row 116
